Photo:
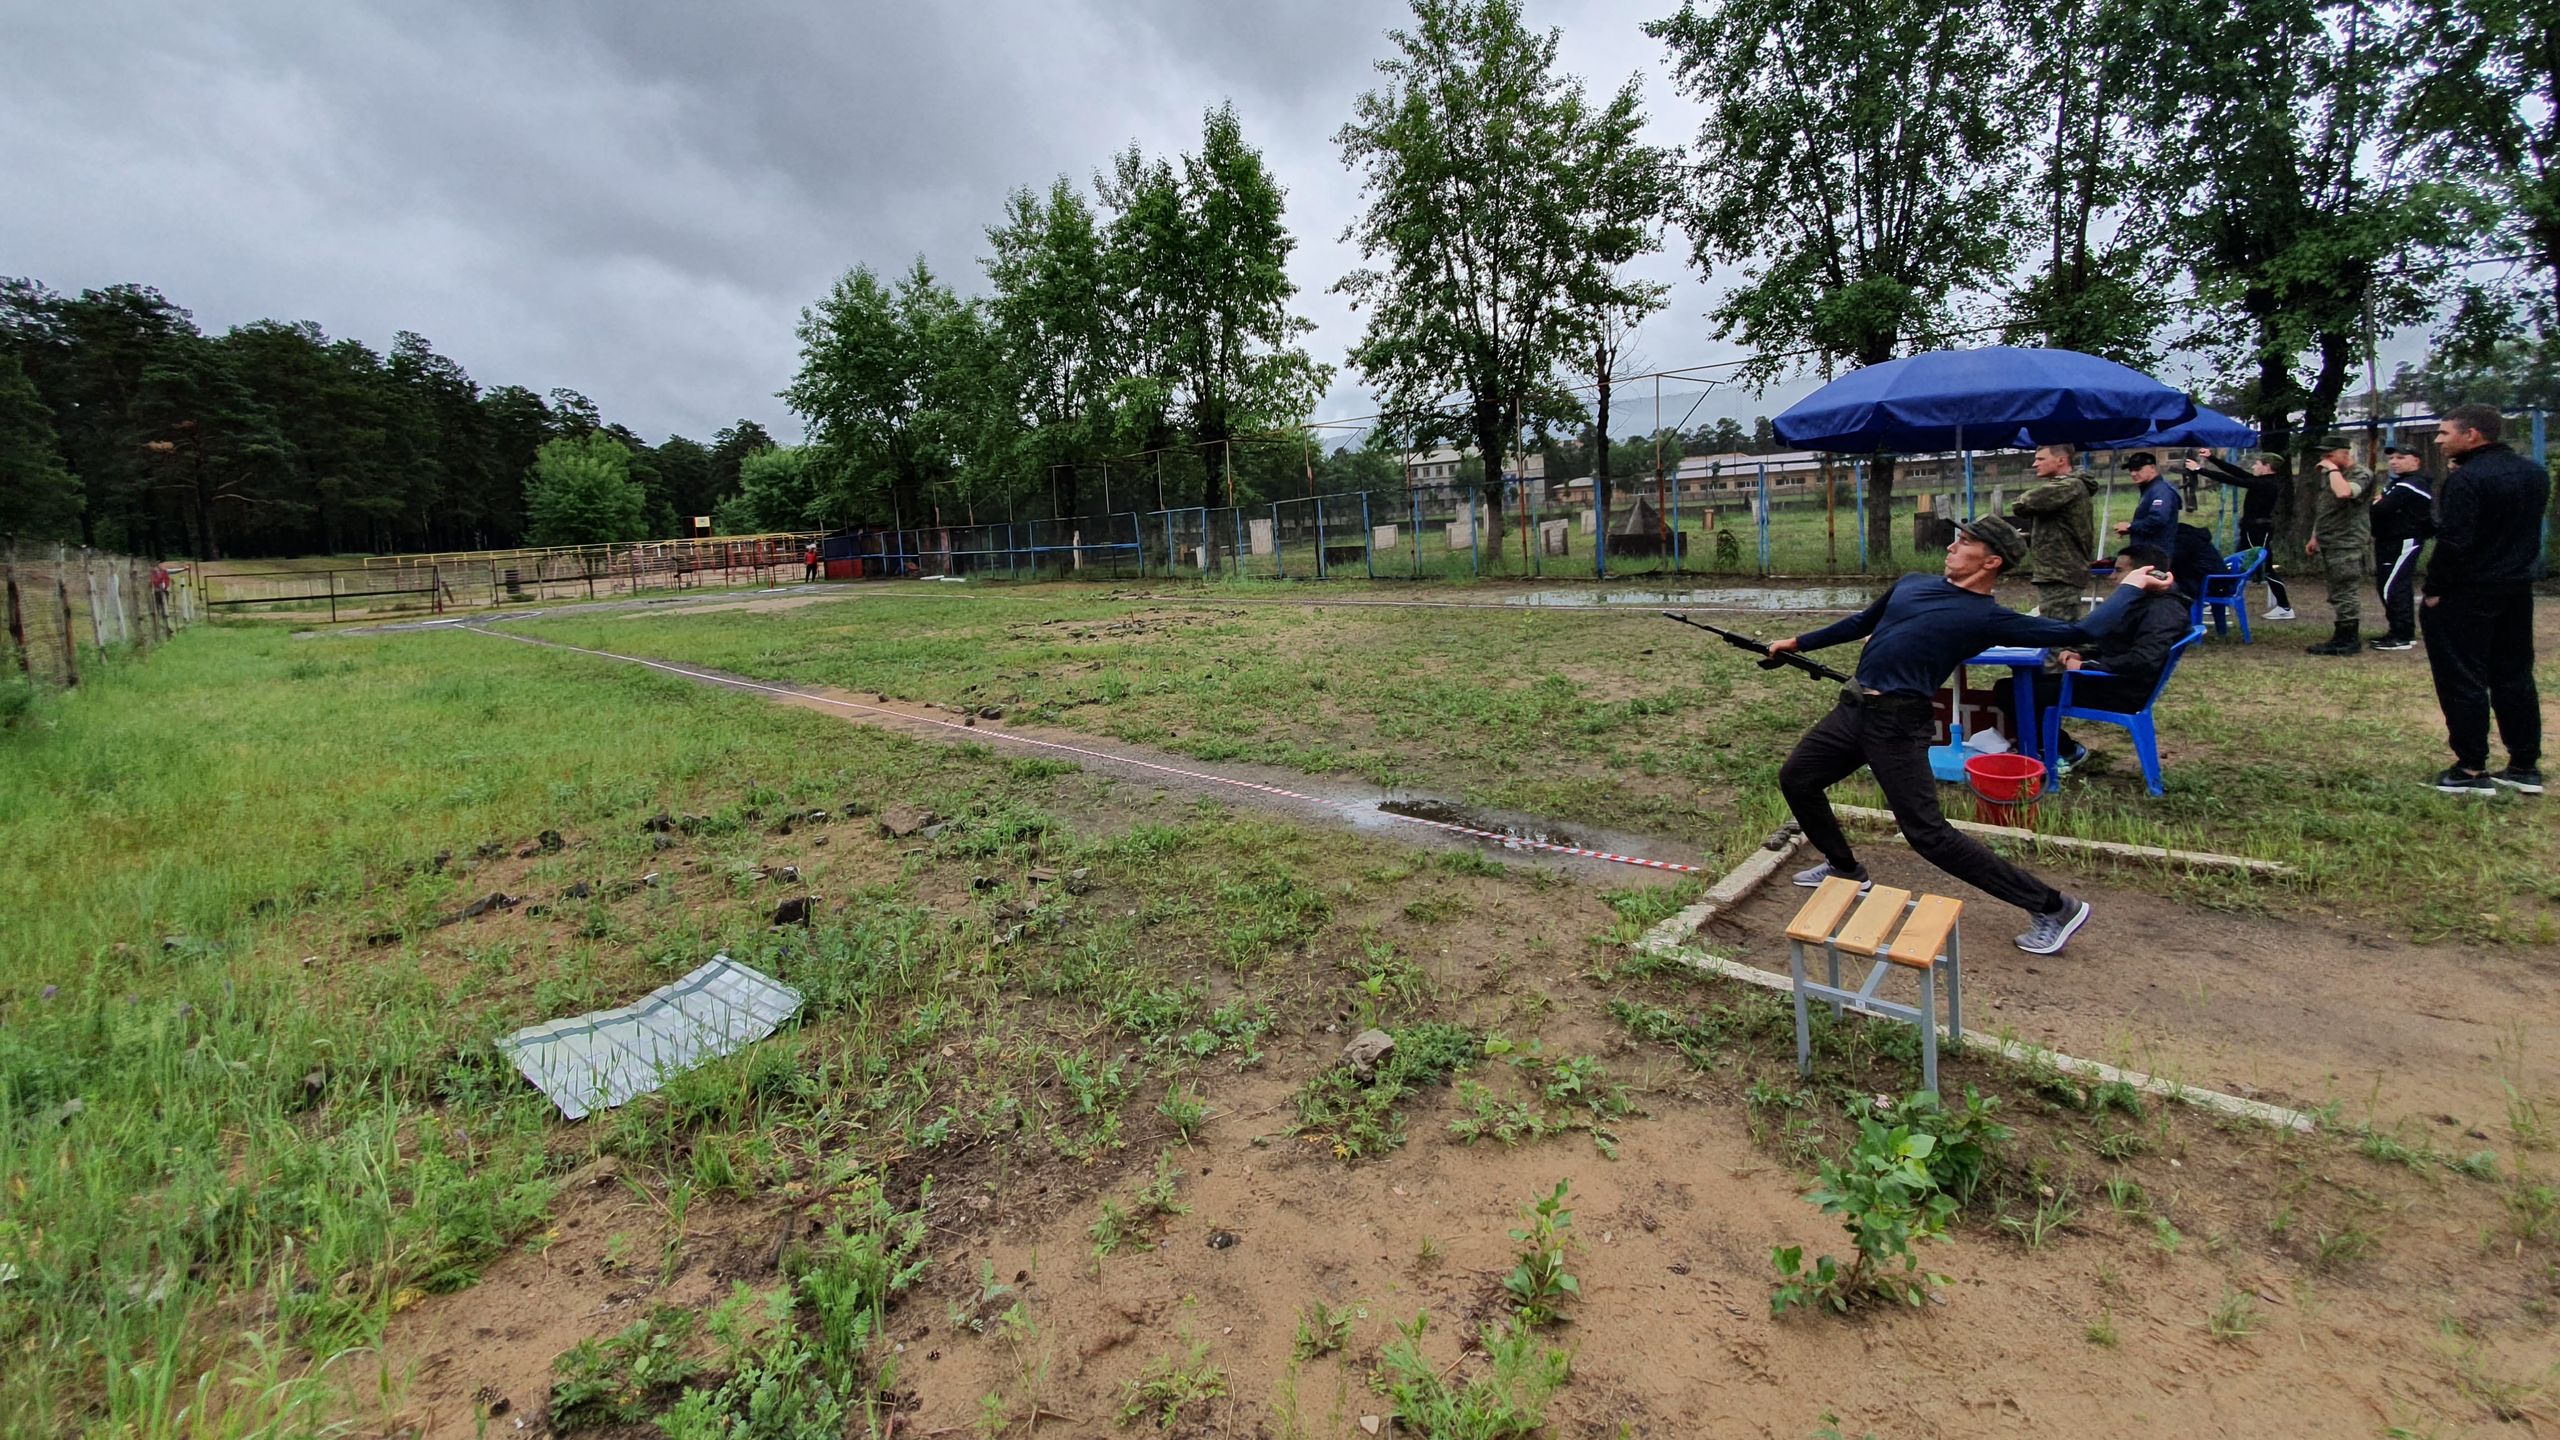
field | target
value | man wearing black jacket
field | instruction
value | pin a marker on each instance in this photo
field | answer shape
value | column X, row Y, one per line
column 2478, row 611
column 2131, row 658
column 2262, row 487
column 1918, row 633
column 2403, row 522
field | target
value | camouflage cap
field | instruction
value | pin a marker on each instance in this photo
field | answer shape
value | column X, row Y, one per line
column 2332, row 441
column 2001, row 537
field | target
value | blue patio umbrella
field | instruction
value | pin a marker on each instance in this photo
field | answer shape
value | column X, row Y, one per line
column 1933, row 402
column 2209, row 427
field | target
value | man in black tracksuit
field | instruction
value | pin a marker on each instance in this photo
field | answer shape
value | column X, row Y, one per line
column 1919, row 632
column 2478, row 611
column 2262, row 488
column 2403, row 521
column 2132, row 658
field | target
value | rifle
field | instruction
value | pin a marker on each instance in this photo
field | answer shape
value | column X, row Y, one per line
column 1814, row 668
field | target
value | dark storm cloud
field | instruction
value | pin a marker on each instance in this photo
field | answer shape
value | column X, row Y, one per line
column 636, row 200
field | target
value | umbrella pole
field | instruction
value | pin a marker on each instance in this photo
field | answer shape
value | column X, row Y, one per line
column 1968, row 472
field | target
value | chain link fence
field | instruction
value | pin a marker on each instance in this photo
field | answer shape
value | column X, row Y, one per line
column 69, row 606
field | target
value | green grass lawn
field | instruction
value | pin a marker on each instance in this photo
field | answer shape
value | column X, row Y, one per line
column 1627, row 722
column 250, row 1115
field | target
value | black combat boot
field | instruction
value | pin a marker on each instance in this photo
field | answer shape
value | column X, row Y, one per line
column 2343, row 640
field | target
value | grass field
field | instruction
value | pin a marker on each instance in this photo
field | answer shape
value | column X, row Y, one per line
column 264, row 1174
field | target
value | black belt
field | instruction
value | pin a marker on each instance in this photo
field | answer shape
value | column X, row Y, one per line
column 1899, row 702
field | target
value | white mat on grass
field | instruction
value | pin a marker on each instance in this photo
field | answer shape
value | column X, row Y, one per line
column 599, row 1060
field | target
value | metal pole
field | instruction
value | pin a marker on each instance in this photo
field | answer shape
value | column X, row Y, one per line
column 1369, row 544
column 1679, row 551
column 1858, row 478
column 1968, row 473
column 1414, row 498
column 1238, row 514
column 1763, row 508
column 1279, row 552
column 1320, row 571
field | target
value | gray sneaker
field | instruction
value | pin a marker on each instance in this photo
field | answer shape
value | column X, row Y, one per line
column 2049, row 933
column 1819, row 873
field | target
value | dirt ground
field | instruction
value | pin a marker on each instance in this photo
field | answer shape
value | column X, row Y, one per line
column 2442, row 1326
column 2297, row 1010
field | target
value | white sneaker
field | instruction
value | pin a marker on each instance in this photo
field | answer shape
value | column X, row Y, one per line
column 2278, row 612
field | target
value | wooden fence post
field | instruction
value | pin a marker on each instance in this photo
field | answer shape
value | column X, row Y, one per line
column 62, row 593
column 17, row 621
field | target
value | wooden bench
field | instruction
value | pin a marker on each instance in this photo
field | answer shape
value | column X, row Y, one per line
column 1897, row 931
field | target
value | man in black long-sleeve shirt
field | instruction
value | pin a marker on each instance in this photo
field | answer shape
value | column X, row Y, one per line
column 2261, row 489
column 1918, row 633
column 2478, row 611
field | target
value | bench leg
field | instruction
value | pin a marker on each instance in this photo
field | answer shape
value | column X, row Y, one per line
column 1831, row 976
column 1929, row 1029
column 1955, row 985
column 1804, row 1031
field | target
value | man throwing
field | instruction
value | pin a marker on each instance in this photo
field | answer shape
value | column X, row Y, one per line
column 2478, row 614
column 1919, row 632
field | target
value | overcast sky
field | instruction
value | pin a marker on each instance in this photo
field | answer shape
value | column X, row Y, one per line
column 635, row 198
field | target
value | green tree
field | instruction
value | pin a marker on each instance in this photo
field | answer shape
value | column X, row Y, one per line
column 581, row 493
column 2310, row 242
column 216, row 453
column 1855, row 167
column 2485, row 105
column 2099, row 181
column 1054, row 334
column 684, row 467
column 782, row 488
column 39, row 499
column 730, row 446
column 895, row 384
column 1484, row 279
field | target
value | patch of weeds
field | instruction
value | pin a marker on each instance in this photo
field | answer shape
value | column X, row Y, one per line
column 2102, row 1331
column 2378, row 1146
column 1234, row 1029
column 1152, row 1013
column 1388, row 982
column 1361, row 1119
column 2479, row 1165
column 2123, row 1144
column 2533, row 1212
column 1036, row 767
column 1572, row 1093
column 1433, row 909
column 619, row 1379
column 1539, row 1285
column 1322, row 1330
column 2125, row 1197
column 1124, row 1228
column 1902, row 1182
column 1094, row 1094
column 2165, row 1238
column 1509, row 1402
column 1185, row 1110
column 1168, row 1386
column 2335, row 1250
column 2052, row 1216
column 1470, row 862
column 2234, row 1318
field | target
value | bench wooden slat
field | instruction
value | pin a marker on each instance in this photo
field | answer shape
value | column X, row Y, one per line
column 1876, row 917
column 1924, row 935
column 1831, row 900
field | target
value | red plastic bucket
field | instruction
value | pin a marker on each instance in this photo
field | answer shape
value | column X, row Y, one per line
column 2005, row 788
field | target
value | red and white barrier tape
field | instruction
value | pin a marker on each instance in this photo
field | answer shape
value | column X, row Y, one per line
column 1104, row 756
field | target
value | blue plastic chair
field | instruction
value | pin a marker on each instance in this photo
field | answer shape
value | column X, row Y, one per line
column 2146, row 744
column 2228, row 592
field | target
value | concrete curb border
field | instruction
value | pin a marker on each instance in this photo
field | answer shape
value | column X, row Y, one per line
column 1669, row 940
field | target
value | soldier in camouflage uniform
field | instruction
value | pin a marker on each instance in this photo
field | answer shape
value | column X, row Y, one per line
column 2342, row 539
column 2062, row 536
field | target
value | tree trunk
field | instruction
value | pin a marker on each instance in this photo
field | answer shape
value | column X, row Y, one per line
column 1489, row 450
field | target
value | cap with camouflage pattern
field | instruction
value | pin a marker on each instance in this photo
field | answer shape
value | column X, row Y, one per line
column 2002, row 538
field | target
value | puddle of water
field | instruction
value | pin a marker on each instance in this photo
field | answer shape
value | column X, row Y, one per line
column 1447, row 814
column 1733, row 597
